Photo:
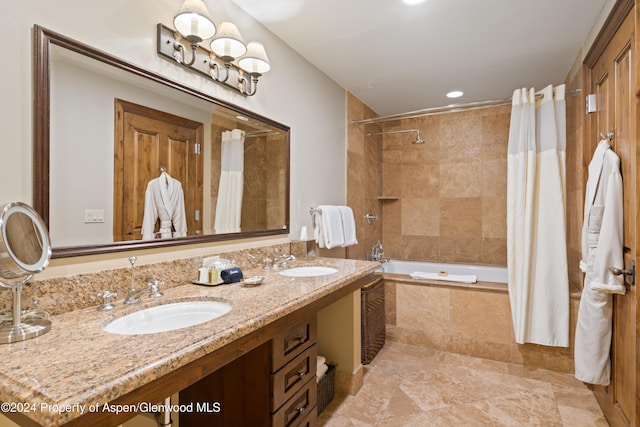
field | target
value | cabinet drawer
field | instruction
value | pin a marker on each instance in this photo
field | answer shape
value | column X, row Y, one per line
column 311, row 420
column 289, row 343
column 293, row 376
column 295, row 411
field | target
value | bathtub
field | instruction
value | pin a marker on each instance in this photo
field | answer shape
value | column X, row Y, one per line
column 484, row 273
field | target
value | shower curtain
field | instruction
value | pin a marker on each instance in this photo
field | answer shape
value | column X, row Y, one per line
column 229, row 204
column 536, row 240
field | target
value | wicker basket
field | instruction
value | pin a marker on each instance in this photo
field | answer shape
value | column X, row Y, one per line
column 372, row 319
column 326, row 387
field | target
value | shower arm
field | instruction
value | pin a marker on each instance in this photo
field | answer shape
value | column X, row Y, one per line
column 418, row 140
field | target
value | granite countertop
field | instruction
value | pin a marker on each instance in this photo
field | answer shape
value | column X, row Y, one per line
column 54, row 378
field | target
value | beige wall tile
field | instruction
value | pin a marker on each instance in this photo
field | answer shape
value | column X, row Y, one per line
column 494, row 251
column 419, row 248
column 482, row 316
column 420, row 216
column 494, row 217
column 494, row 178
column 494, row 138
column 459, row 137
column 460, row 179
column 538, row 356
column 461, row 217
column 419, row 180
column 460, row 249
column 480, row 348
column 423, row 308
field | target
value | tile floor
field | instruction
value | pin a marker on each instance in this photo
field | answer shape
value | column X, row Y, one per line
column 415, row 386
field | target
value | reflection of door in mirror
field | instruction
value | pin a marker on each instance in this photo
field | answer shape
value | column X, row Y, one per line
column 146, row 141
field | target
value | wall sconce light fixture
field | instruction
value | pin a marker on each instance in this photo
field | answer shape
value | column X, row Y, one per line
column 227, row 55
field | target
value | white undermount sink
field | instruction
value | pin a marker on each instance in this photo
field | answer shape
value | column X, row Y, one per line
column 167, row 317
column 308, row 271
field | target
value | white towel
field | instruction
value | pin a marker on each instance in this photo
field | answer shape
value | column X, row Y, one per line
column 318, row 234
column 331, row 224
column 348, row 226
column 320, row 360
column 448, row 278
column 322, row 369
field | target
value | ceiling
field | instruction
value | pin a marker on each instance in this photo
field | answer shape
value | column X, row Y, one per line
column 398, row 58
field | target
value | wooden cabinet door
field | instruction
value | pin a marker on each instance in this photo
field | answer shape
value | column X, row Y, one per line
column 146, row 141
column 613, row 80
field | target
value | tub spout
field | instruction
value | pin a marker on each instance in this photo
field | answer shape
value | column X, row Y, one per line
column 377, row 253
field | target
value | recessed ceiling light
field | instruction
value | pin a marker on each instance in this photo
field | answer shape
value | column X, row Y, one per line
column 455, row 94
column 412, row 2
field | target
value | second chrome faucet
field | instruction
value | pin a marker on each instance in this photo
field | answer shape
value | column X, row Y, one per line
column 134, row 295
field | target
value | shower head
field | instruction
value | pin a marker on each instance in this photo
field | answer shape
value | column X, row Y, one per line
column 418, row 139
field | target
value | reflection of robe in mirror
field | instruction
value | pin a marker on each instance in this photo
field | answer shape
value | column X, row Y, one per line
column 164, row 200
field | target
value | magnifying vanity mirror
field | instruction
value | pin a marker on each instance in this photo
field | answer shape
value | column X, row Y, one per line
column 106, row 130
column 24, row 251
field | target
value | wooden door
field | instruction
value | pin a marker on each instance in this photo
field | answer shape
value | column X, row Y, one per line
column 146, row 141
column 613, row 80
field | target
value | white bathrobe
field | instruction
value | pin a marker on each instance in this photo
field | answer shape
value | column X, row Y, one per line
column 164, row 200
column 602, row 247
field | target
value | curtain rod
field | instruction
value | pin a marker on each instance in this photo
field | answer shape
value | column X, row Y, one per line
column 453, row 108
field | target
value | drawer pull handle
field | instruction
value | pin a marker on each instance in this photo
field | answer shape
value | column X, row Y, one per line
column 299, row 409
column 300, row 340
column 301, row 374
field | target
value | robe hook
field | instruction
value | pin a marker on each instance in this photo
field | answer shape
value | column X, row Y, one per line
column 609, row 135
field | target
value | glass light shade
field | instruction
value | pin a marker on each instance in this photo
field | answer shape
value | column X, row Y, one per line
column 228, row 42
column 255, row 61
column 194, row 21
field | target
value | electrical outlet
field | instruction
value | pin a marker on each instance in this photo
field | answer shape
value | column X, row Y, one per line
column 93, row 216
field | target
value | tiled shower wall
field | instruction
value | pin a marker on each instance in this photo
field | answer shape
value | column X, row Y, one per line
column 577, row 161
column 451, row 191
column 445, row 200
column 439, row 201
column 364, row 177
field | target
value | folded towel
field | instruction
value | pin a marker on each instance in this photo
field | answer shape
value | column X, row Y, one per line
column 448, row 278
column 331, row 225
column 320, row 360
column 318, row 234
column 348, row 226
column 322, row 369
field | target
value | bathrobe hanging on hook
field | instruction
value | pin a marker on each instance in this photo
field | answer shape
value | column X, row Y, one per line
column 602, row 247
column 164, row 200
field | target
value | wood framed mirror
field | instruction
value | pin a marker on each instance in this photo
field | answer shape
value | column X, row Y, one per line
column 105, row 128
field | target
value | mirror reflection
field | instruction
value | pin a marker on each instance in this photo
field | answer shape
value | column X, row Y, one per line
column 133, row 160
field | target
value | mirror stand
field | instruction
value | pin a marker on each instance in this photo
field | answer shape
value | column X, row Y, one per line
column 22, row 329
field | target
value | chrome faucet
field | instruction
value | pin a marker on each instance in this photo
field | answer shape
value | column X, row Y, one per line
column 154, row 289
column 377, row 253
column 283, row 261
column 133, row 296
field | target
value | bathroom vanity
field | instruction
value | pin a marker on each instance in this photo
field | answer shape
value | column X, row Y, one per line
column 255, row 365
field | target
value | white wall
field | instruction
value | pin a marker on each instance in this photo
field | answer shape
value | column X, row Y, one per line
column 293, row 93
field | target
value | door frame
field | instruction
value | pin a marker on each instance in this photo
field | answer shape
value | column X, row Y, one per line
column 121, row 107
column 614, row 21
